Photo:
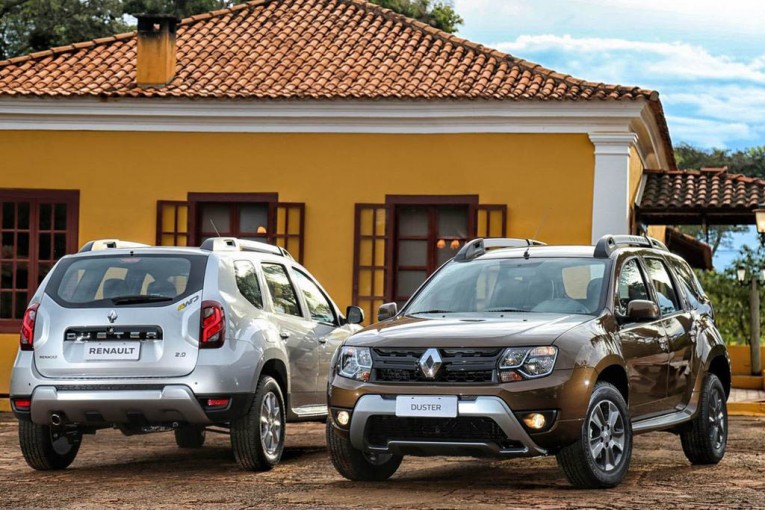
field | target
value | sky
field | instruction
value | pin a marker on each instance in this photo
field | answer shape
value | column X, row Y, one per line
column 706, row 58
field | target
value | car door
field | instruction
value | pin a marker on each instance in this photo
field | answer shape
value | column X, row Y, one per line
column 296, row 331
column 682, row 343
column 643, row 344
column 327, row 328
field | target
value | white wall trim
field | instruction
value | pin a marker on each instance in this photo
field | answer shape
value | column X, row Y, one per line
column 611, row 195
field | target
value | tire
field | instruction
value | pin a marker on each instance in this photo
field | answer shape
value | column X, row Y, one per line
column 190, row 436
column 44, row 449
column 601, row 456
column 256, row 449
column 356, row 465
column 704, row 439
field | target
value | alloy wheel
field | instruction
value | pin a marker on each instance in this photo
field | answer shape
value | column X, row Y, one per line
column 716, row 418
column 270, row 423
column 606, row 436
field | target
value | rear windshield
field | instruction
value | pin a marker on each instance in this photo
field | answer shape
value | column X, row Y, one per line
column 544, row 285
column 119, row 280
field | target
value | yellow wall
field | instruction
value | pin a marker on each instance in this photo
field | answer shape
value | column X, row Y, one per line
column 636, row 172
column 546, row 181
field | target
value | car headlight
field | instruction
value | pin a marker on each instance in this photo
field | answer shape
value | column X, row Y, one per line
column 355, row 363
column 518, row 363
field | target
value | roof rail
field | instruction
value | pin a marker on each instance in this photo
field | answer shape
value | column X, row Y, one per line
column 103, row 244
column 478, row 247
column 234, row 244
column 608, row 243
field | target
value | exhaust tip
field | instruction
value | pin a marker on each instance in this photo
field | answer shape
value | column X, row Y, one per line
column 56, row 420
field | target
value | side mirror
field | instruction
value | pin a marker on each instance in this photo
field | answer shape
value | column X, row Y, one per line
column 387, row 311
column 354, row 315
column 642, row 310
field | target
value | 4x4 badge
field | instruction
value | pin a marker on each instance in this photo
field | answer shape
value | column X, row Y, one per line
column 112, row 316
column 430, row 363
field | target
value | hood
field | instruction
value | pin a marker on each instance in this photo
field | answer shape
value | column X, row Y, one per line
column 522, row 329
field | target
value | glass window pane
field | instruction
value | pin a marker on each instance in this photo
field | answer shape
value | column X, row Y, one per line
column 218, row 215
column 45, row 213
column 318, row 304
column 413, row 253
column 253, row 218
column 413, row 221
column 453, row 222
column 409, row 282
column 282, row 292
column 631, row 286
column 22, row 275
column 42, row 272
column 8, row 248
column 21, row 304
column 23, row 215
column 9, row 215
column 22, row 245
column 6, row 305
column 446, row 250
column 247, row 282
column 59, row 217
column 44, row 250
column 59, row 246
column 662, row 284
column 6, row 275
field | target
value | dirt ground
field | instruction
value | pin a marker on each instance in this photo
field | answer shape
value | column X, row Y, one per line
column 114, row 471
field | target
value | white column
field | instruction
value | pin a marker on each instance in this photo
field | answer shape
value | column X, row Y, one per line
column 611, row 198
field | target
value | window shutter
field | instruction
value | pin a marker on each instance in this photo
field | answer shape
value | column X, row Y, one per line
column 369, row 264
column 288, row 227
column 491, row 220
column 172, row 223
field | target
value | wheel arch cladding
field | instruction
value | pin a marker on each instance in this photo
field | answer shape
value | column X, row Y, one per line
column 277, row 369
column 616, row 375
column 721, row 368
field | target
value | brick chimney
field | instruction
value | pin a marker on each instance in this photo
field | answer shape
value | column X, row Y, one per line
column 156, row 49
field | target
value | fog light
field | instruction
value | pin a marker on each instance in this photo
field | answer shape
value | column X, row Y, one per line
column 343, row 418
column 535, row 421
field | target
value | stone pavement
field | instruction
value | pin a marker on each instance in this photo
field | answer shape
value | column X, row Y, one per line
column 740, row 395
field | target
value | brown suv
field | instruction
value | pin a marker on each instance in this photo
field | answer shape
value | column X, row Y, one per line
column 517, row 349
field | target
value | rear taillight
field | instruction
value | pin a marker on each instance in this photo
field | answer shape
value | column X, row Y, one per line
column 22, row 404
column 26, row 341
column 213, row 325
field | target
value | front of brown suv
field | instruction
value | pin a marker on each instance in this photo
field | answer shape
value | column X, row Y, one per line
column 505, row 353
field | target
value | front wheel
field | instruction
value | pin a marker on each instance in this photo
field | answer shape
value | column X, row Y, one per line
column 47, row 449
column 706, row 437
column 356, row 465
column 257, row 438
column 601, row 456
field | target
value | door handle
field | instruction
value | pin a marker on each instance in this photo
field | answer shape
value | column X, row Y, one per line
column 284, row 334
column 322, row 340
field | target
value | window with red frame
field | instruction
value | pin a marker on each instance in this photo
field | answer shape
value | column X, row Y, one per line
column 37, row 227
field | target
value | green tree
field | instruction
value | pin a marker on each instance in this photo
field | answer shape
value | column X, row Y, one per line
column 33, row 25
column 438, row 14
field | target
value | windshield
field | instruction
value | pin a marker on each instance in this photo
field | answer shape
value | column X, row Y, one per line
column 126, row 280
column 550, row 285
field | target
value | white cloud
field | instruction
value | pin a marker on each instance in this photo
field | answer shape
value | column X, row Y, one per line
column 708, row 133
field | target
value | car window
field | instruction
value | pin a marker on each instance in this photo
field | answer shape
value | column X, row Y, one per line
column 318, row 304
column 662, row 284
column 630, row 286
column 247, row 282
column 686, row 279
column 281, row 289
column 545, row 285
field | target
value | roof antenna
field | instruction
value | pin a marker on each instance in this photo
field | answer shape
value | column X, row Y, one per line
column 214, row 227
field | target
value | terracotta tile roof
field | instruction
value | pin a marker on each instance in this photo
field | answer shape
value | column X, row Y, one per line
column 711, row 189
column 303, row 49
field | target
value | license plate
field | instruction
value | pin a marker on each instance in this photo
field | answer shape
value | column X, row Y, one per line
column 112, row 351
column 429, row 407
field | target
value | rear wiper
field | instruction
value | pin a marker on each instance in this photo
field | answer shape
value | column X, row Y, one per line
column 505, row 310
column 150, row 298
column 433, row 311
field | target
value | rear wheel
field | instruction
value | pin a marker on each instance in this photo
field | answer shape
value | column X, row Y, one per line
column 257, row 438
column 706, row 437
column 45, row 448
column 601, row 456
column 356, row 465
column 190, row 436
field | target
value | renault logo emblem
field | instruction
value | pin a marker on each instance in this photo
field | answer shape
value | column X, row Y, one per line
column 430, row 363
column 112, row 316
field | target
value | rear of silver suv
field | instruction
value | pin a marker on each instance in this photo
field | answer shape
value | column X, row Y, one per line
column 151, row 339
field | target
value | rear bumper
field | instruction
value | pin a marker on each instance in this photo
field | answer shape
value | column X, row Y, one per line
column 481, row 407
column 174, row 403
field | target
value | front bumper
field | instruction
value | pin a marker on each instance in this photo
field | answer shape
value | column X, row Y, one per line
column 174, row 403
column 481, row 407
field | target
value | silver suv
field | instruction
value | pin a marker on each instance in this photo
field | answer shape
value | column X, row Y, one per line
column 145, row 339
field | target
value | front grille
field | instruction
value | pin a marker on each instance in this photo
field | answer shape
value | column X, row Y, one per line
column 460, row 366
column 381, row 429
